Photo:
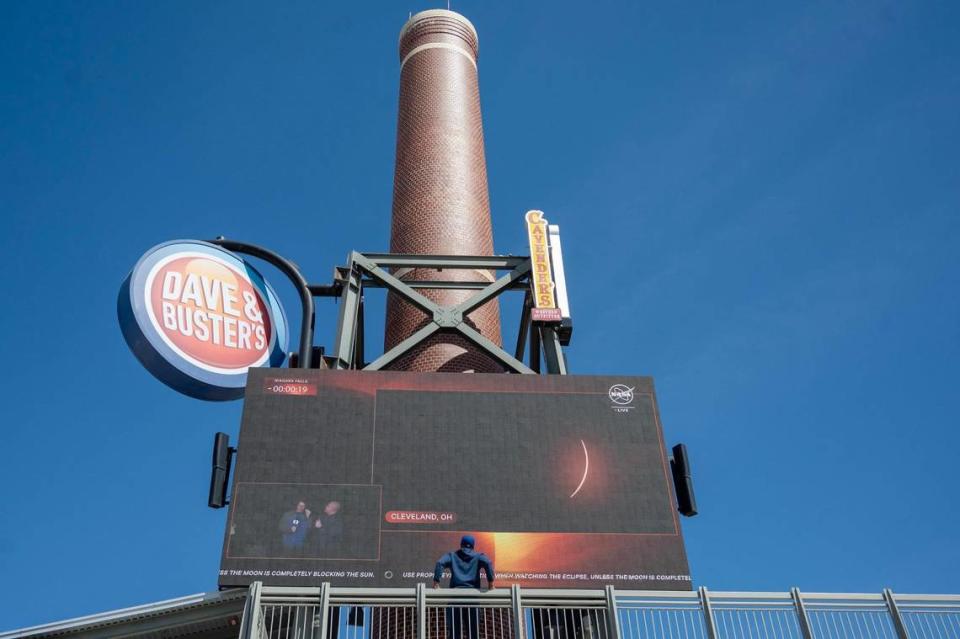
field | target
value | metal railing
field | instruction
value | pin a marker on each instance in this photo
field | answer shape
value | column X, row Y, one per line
column 515, row 613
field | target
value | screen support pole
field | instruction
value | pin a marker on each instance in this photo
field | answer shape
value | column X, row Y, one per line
column 552, row 351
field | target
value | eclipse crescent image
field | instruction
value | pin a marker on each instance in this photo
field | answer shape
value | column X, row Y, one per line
column 586, row 469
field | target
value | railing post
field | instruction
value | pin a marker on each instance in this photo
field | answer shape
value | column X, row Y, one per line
column 421, row 612
column 895, row 613
column 612, row 611
column 708, row 619
column 802, row 617
column 250, row 624
column 345, row 346
column 324, row 608
column 518, row 632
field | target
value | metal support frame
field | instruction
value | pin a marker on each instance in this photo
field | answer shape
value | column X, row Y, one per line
column 895, row 613
column 535, row 342
column 439, row 262
column 359, row 350
column 802, row 618
column 524, row 326
column 708, row 619
column 370, row 270
column 552, row 351
column 344, row 349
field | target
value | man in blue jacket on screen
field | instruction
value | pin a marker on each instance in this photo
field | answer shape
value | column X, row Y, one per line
column 464, row 565
column 294, row 525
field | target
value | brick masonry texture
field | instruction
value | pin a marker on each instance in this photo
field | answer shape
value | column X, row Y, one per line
column 441, row 205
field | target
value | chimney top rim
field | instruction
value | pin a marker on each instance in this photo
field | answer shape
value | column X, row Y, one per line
column 437, row 13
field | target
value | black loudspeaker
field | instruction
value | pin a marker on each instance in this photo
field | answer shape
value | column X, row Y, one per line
column 683, row 481
column 220, row 472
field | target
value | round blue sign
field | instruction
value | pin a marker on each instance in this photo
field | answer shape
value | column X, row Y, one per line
column 198, row 317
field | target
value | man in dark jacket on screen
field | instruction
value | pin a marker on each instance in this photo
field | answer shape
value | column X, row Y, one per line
column 294, row 525
column 464, row 565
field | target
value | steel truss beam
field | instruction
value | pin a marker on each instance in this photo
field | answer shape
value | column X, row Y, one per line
column 370, row 270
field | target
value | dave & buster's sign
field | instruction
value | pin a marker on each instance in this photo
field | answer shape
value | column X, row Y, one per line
column 198, row 317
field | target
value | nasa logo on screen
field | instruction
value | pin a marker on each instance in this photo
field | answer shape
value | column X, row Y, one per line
column 622, row 397
column 198, row 317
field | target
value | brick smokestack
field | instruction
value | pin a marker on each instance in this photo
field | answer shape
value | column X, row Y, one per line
column 440, row 201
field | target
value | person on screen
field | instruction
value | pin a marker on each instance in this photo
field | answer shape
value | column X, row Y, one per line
column 465, row 565
column 294, row 525
column 328, row 531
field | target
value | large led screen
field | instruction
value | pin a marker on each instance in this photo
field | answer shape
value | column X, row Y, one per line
column 367, row 478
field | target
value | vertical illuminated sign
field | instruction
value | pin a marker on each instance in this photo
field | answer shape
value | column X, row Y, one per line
column 541, row 280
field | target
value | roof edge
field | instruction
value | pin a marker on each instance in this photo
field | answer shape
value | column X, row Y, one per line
column 159, row 609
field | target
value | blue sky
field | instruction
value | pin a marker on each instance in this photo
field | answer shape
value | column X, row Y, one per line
column 760, row 205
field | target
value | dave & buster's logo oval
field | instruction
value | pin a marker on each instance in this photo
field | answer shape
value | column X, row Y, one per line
column 197, row 317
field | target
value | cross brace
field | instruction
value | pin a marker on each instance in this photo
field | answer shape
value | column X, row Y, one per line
column 370, row 270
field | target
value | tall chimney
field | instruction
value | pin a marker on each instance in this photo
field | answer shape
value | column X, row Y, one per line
column 440, row 201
